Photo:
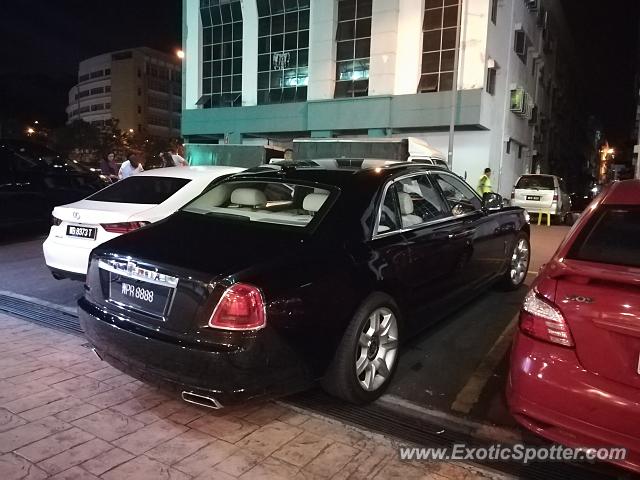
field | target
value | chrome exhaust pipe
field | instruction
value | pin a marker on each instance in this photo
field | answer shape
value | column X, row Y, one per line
column 201, row 400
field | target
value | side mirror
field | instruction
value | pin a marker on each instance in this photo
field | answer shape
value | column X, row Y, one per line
column 492, row 201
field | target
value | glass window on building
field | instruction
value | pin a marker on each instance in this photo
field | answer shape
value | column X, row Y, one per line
column 283, row 51
column 221, row 53
column 353, row 43
column 438, row 45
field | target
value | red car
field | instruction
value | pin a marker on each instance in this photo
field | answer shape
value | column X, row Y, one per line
column 575, row 362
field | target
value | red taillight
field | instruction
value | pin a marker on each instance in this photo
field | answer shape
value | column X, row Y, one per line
column 240, row 308
column 542, row 320
column 555, row 197
column 124, row 227
column 513, row 195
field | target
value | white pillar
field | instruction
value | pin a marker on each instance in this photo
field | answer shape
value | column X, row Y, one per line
column 192, row 47
column 322, row 49
column 409, row 47
column 384, row 37
column 249, row 53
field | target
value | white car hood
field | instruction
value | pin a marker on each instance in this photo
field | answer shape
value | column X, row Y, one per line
column 92, row 212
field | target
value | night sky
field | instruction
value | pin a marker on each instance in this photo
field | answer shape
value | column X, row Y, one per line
column 44, row 40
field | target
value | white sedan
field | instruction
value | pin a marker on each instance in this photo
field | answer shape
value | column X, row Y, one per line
column 125, row 206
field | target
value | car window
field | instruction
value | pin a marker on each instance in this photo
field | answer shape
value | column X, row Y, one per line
column 459, row 196
column 143, row 190
column 610, row 237
column 270, row 201
column 537, row 182
column 389, row 217
column 419, row 201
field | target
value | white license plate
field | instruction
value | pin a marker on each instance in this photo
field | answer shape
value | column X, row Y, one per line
column 81, row 232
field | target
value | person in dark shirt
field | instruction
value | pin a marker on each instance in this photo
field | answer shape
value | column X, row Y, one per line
column 108, row 166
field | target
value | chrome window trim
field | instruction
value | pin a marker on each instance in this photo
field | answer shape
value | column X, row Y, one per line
column 377, row 235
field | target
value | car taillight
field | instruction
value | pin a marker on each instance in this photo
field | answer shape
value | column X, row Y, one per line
column 513, row 194
column 542, row 320
column 240, row 308
column 555, row 197
column 55, row 221
column 124, row 227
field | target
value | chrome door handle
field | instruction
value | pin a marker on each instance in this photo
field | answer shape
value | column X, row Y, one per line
column 464, row 233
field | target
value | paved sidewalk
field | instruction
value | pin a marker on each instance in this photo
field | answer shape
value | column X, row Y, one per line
column 65, row 414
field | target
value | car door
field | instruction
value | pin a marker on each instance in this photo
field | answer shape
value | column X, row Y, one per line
column 485, row 240
column 436, row 244
column 30, row 205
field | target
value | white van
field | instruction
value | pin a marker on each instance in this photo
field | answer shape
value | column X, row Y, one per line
column 542, row 193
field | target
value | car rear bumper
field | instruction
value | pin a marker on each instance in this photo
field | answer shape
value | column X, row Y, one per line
column 263, row 368
column 72, row 259
column 550, row 393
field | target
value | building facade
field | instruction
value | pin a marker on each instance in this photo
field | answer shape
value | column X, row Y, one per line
column 268, row 71
column 140, row 87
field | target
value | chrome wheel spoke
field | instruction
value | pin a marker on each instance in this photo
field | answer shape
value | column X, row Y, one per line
column 364, row 340
column 381, row 368
column 369, row 376
column 362, row 363
column 389, row 343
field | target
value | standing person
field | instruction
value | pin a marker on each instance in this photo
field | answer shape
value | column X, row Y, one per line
column 484, row 184
column 108, row 166
column 132, row 166
column 288, row 154
column 178, row 161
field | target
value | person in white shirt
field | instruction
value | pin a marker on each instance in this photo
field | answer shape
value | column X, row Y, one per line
column 178, row 161
column 130, row 167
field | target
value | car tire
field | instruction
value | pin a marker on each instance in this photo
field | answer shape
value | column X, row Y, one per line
column 519, row 262
column 367, row 356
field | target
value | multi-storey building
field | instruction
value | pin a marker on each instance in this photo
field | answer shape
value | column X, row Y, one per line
column 140, row 87
column 272, row 70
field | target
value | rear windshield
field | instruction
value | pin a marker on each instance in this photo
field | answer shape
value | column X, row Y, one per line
column 144, row 190
column 539, row 182
column 276, row 202
column 610, row 237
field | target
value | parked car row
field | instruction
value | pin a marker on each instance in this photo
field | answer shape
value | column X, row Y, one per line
column 229, row 285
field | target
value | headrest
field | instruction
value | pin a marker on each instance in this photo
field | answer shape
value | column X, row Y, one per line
column 218, row 195
column 250, row 197
column 314, row 201
column 406, row 204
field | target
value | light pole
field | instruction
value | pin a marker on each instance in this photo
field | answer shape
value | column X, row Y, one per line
column 454, row 88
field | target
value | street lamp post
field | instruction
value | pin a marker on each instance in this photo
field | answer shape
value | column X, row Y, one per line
column 454, row 88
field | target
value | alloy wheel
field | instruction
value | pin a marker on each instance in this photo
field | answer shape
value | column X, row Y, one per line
column 520, row 262
column 377, row 349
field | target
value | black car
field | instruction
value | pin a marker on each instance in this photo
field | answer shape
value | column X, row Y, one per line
column 34, row 179
column 286, row 275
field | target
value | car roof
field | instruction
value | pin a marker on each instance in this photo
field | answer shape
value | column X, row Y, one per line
column 626, row 192
column 337, row 171
column 191, row 172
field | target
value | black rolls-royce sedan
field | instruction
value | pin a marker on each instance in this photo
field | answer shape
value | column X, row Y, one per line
column 286, row 275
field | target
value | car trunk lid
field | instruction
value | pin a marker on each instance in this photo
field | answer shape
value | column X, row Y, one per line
column 89, row 212
column 198, row 254
column 601, row 304
column 534, row 198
